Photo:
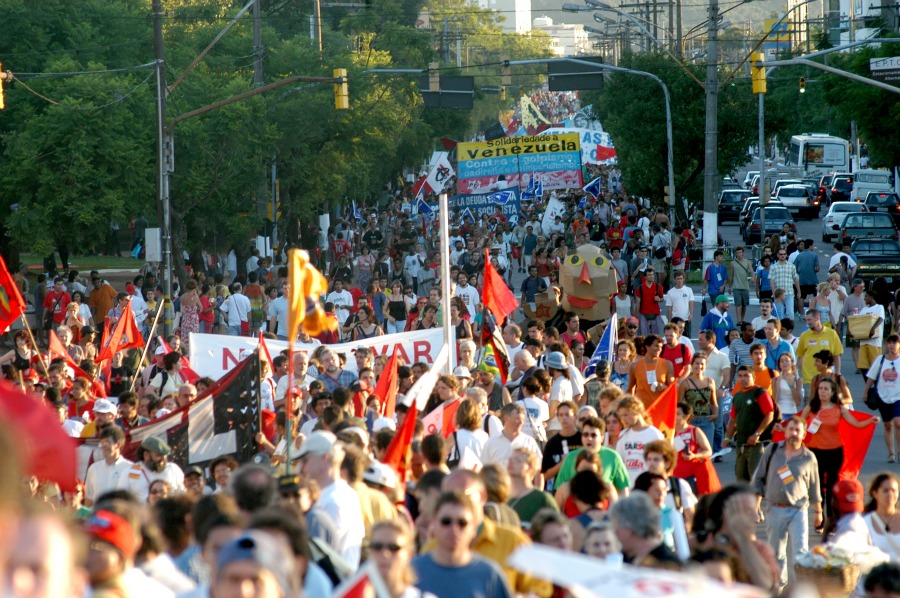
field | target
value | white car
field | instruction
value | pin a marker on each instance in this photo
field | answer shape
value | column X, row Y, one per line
column 748, row 178
column 837, row 213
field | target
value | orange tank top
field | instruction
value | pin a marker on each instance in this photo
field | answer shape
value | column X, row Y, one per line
column 642, row 384
column 826, row 437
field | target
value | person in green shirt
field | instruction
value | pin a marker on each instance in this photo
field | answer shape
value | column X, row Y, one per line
column 612, row 467
column 740, row 277
column 524, row 498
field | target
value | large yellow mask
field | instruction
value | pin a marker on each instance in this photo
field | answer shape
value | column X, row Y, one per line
column 588, row 281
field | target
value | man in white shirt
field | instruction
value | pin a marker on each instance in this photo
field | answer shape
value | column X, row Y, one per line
column 138, row 307
column 512, row 337
column 237, row 308
column 154, row 466
column 765, row 314
column 278, row 314
column 302, row 379
column 412, row 265
column 104, row 475
column 870, row 348
column 342, row 300
column 320, row 459
column 838, row 254
column 467, row 293
column 499, row 449
column 680, row 301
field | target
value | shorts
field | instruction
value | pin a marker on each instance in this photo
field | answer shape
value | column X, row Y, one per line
column 741, row 297
column 867, row 355
column 888, row 411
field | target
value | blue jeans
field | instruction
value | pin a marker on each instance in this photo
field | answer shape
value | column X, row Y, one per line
column 707, row 426
column 234, row 330
column 720, row 424
column 787, row 525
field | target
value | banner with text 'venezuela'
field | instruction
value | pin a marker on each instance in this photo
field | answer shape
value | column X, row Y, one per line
column 554, row 159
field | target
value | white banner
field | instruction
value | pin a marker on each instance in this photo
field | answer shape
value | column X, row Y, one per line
column 441, row 172
column 214, row 355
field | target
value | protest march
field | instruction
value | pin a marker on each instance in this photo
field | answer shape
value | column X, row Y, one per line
column 492, row 382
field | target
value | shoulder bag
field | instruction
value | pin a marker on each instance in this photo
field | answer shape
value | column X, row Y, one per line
column 873, row 399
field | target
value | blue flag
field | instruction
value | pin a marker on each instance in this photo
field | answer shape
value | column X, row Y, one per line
column 606, row 348
column 501, row 198
column 423, row 208
column 470, row 215
column 357, row 214
column 534, row 190
column 593, row 188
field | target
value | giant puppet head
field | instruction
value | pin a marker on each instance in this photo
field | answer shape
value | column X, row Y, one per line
column 588, row 281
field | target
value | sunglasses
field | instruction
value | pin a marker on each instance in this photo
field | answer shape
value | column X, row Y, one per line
column 378, row 546
column 590, row 434
column 448, row 521
column 632, row 326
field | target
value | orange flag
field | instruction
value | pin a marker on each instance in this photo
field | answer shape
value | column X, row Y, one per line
column 856, row 443
column 12, row 305
column 386, row 389
column 495, row 295
column 305, row 285
column 663, row 410
column 126, row 335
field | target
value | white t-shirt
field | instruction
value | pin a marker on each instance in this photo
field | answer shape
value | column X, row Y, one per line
column 137, row 479
column 470, row 297
column 679, row 300
column 339, row 502
column 343, row 301
column 537, row 414
column 474, row 440
column 836, row 259
column 888, row 380
column 631, row 448
column 561, row 390
column 102, row 477
column 499, row 449
column 877, row 311
column 716, row 363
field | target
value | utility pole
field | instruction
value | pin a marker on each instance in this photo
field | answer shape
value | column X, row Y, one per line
column 163, row 211
column 318, row 17
column 257, row 46
column 711, row 169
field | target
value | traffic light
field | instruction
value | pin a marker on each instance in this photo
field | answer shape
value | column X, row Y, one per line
column 505, row 75
column 802, row 84
column 434, row 77
column 502, row 93
column 341, row 90
column 757, row 73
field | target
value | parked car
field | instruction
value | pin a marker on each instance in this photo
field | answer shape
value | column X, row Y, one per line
column 877, row 258
column 841, row 187
column 836, row 215
column 730, row 203
column 776, row 218
column 867, row 225
column 798, row 200
column 884, row 202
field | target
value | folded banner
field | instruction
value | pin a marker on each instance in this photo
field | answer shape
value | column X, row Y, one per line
column 214, row 355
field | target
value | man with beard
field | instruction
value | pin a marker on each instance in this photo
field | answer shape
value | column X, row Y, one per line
column 104, row 475
column 153, row 465
column 334, row 376
column 128, row 411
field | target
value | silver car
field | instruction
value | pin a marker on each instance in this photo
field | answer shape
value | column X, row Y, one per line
column 837, row 213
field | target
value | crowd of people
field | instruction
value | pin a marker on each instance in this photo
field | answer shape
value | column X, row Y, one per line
column 545, row 455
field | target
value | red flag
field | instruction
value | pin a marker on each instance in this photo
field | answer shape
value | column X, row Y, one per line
column 12, row 305
column 442, row 419
column 187, row 373
column 663, row 410
column 396, row 454
column 126, row 335
column 448, row 144
column 496, row 296
column 388, row 383
column 495, row 357
column 365, row 583
column 47, row 452
column 264, row 352
column 56, row 349
column 856, row 444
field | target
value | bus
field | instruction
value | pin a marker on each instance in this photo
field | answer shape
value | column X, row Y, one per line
column 815, row 154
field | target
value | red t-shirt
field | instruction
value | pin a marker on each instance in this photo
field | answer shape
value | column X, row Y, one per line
column 57, row 302
column 679, row 356
column 645, row 296
column 75, row 411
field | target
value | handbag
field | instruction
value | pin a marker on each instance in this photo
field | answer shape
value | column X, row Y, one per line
column 873, row 399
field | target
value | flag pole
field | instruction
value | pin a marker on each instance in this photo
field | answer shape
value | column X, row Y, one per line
column 34, row 344
column 445, row 276
column 147, row 344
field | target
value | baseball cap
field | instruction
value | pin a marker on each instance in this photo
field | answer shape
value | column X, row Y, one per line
column 380, row 474
column 112, row 529
column 850, row 495
column 383, row 423
column 556, row 360
column 631, row 320
column 193, row 470
column 462, row 371
column 262, row 549
column 104, row 406
column 288, row 484
column 156, row 445
column 722, row 299
column 320, row 442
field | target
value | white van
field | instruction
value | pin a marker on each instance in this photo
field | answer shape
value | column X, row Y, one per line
column 864, row 181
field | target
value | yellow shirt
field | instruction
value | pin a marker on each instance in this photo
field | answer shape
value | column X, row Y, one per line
column 811, row 343
column 497, row 542
column 374, row 504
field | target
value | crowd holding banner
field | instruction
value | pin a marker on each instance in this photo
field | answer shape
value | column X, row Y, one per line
column 307, row 431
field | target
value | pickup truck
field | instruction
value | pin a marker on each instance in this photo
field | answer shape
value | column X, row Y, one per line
column 867, row 225
column 877, row 258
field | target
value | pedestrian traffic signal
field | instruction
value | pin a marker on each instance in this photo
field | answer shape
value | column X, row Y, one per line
column 757, row 73
column 341, row 90
column 802, row 84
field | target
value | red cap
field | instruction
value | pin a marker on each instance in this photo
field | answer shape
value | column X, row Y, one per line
column 113, row 530
column 850, row 495
column 622, row 284
column 631, row 320
column 129, row 288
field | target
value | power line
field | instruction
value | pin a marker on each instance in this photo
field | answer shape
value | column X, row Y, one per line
column 118, row 100
column 76, row 73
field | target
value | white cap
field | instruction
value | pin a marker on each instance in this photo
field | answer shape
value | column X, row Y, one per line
column 383, row 423
column 320, row 442
column 104, row 406
column 381, row 474
column 462, row 371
